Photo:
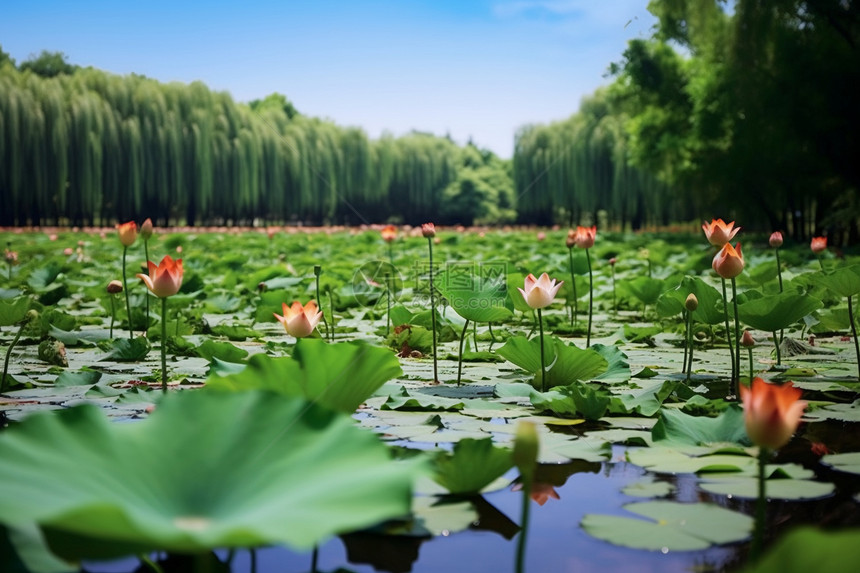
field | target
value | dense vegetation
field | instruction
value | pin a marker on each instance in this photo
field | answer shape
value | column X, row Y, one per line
column 755, row 121
column 745, row 110
column 83, row 146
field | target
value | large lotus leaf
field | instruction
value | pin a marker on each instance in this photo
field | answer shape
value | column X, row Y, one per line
column 645, row 398
column 646, row 289
column 618, row 369
column 747, row 487
column 473, row 465
column 13, row 311
column 23, row 550
column 474, row 297
column 709, row 310
column 776, row 311
column 339, row 376
column 673, row 526
column 844, row 281
column 677, row 427
column 809, row 549
column 566, row 364
column 272, row 470
column 847, row 462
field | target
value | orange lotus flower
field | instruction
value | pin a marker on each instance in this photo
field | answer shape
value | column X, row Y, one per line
column 127, row 233
column 584, row 238
column 428, row 230
column 729, row 262
column 771, row 412
column 570, row 241
column 539, row 293
column 389, row 233
column 541, row 492
column 818, row 244
column 718, row 232
column 164, row 279
column 298, row 320
column 775, row 240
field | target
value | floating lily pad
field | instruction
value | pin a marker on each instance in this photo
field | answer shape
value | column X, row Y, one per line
column 848, row 462
column 675, row 426
column 339, row 376
column 673, row 526
column 178, row 485
column 747, row 487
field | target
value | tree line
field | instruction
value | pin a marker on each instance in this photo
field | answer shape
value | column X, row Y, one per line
column 81, row 146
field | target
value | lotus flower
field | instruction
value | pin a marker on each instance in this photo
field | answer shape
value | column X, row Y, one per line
column 539, row 293
column 298, row 320
column 584, row 238
column 718, row 232
column 428, row 230
column 771, row 412
column 389, row 233
column 818, row 244
column 146, row 229
column 164, row 279
column 729, row 262
column 127, row 233
column 775, row 240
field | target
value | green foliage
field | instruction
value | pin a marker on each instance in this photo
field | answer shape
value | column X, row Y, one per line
column 472, row 466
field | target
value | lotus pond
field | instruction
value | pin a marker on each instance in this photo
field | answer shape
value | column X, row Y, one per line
column 351, row 450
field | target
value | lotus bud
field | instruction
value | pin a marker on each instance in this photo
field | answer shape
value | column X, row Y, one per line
column 692, row 302
column 526, row 447
column 747, row 340
column 428, row 230
column 775, row 240
column 114, row 287
column 146, row 229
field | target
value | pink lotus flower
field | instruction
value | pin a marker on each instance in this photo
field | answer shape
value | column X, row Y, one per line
column 585, row 236
column 818, row 244
column 729, row 262
column 146, row 229
column 771, row 412
column 775, row 240
column 539, row 293
column 428, row 230
column 718, row 232
column 163, row 279
column 298, row 320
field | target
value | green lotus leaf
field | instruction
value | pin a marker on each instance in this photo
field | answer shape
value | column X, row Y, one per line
column 222, row 350
column 474, row 297
column 844, row 281
column 677, row 427
column 646, row 289
column 709, row 310
column 776, row 311
column 128, row 350
column 273, row 470
column 567, row 363
column 747, row 487
column 473, row 465
column 672, row 526
column 339, row 376
column 810, row 549
column 13, row 311
column 847, row 462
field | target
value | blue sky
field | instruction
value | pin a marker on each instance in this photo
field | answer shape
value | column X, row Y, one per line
column 479, row 68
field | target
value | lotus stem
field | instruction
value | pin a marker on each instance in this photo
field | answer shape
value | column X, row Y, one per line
column 113, row 313
column 9, row 354
column 728, row 331
column 521, row 542
column 390, row 254
column 125, row 289
column 145, row 254
column 475, row 334
column 388, row 303
column 751, row 363
column 331, row 311
column 760, row 507
column 590, row 297
column 778, row 270
column 492, row 336
column 614, row 306
column 253, row 555
column 776, row 345
column 737, row 355
column 854, row 334
column 433, row 311
column 689, row 345
column 460, row 362
column 164, row 345
column 542, row 356
column 152, row 565
column 315, row 556
column 573, row 286
column 317, row 273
